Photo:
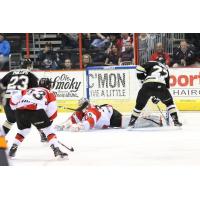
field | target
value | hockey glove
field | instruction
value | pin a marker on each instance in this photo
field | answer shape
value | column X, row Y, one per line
column 155, row 100
column 76, row 127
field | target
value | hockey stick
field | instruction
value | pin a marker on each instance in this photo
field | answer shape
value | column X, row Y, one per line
column 159, row 124
column 66, row 108
column 166, row 119
column 70, row 149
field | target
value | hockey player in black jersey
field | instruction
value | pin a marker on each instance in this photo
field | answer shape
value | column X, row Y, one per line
column 155, row 78
column 13, row 81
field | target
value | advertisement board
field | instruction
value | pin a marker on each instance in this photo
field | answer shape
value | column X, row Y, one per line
column 119, row 87
column 185, row 87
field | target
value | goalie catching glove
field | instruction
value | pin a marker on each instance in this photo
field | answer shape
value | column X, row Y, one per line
column 155, row 100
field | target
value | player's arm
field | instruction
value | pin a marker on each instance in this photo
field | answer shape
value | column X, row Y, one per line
column 87, row 124
column 33, row 81
column 52, row 106
column 5, row 79
column 15, row 99
column 75, row 118
column 141, row 72
column 167, row 80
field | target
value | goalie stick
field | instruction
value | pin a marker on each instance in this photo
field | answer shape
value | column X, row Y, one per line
column 159, row 124
column 66, row 108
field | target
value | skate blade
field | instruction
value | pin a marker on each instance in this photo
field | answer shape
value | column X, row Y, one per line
column 59, row 158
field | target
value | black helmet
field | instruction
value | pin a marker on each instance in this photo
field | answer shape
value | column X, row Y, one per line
column 45, row 82
column 27, row 64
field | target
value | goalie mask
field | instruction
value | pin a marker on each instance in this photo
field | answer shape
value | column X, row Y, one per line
column 82, row 104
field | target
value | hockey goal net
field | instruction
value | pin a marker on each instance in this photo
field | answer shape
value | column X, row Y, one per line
column 115, row 85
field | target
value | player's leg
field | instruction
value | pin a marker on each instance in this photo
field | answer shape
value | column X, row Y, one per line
column 143, row 96
column 116, row 119
column 43, row 137
column 10, row 117
column 167, row 99
column 40, row 119
column 24, row 126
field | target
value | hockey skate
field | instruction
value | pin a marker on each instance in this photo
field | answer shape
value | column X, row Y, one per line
column 132, row 122
column 58, row 152
column 13, row 150
column 177, row 123
column 43, row 136
column 175, row 119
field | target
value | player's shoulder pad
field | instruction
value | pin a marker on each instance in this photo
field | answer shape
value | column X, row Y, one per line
column 51, row 96
column 140, row 69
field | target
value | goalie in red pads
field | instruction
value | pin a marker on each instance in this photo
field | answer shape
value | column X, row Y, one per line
column 88, row 116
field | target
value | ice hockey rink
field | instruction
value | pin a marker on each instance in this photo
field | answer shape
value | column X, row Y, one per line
column 115, row 147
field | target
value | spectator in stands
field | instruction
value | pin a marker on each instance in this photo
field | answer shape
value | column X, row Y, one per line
column 101, row 41
column 67, row 64
column 69, row 40
column 47, row 59
column 145, row 41
column 86, row 40
column 4, row 51
column 113, row 37
column 160, row 55
column 113, row 56
column 194, row 39
column 87, row 60
column 125, row 37
column 183, row 55
column 127, row 55
column 146, row 45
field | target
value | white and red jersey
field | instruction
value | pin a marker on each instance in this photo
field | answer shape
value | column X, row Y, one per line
column 94, row 117
column 35, row 99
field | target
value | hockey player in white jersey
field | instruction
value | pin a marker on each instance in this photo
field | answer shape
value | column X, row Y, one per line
column 35, row 106
column 88, row 116
column 155, row 78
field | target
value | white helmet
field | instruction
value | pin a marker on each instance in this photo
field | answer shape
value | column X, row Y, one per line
column 82, row 103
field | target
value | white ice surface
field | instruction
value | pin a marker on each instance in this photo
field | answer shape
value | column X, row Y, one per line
column 115, row 147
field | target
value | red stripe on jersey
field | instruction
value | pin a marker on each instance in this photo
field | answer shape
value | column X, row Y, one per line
column 24, row 92
column 79, row 115
column 53, row 116
column 50, row 96
column 11, row 102
column 51, row 136
column 91, row 122
column 19, row 137
column 28, row 107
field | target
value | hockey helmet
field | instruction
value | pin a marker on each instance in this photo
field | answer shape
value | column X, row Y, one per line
column 161, row 60
column 82, row 103
column 46, row 83
column 27, row 64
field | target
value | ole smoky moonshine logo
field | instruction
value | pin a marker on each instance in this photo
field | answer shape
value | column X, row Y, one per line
column 66, row 86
